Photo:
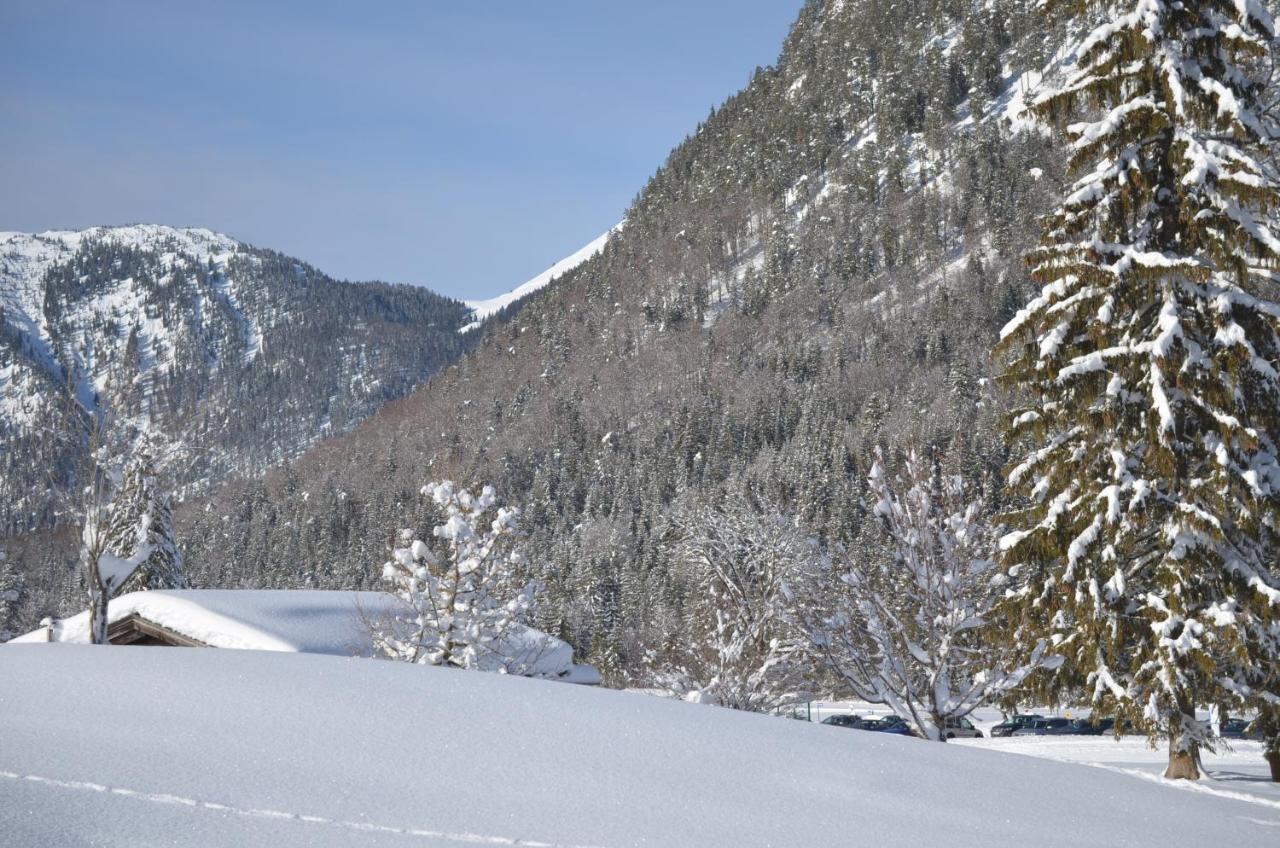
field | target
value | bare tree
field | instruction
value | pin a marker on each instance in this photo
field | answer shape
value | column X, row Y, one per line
column 106, row 572
column 745, row 649
column 114, row 540
column 907, row 630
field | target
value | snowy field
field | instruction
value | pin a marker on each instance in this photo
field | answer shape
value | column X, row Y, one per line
column 156, row 746
column 1238, row 770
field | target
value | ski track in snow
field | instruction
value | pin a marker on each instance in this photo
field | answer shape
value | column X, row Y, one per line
column 281, row 815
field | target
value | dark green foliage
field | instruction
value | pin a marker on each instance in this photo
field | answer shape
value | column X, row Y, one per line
column 1144, row 545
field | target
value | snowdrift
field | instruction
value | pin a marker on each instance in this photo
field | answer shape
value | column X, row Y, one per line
column 118, row 746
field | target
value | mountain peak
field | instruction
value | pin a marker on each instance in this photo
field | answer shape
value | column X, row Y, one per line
column 239, row 357
column 484, row 309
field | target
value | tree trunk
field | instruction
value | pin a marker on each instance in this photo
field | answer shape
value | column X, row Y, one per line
column 98, row 599
column 1273, row 759
column 98, row 618
column 1184, row 758
column 939, row 726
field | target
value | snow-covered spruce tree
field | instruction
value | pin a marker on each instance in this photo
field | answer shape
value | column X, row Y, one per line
column 1148, row 369
column 140, row 499
column 744, row 648
column 106, row 572
column 465, row 605
column 11, row 588
column 911, row 629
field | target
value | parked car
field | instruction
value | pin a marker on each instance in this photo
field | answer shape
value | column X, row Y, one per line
column 1014, row 722
column 1044, row 727
column 851, row 721
column 1238, row 728
column 1108, row 725
column 960, row 728
column 890, row 724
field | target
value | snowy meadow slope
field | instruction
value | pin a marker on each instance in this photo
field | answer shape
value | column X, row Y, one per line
column 240, row 747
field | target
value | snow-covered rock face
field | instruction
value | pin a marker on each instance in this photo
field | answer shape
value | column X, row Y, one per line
column 193, row 334
column 68, row 340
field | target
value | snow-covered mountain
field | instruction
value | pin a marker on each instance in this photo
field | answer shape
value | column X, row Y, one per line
column 237, row 357
column 25, row 261
column 817, row 273
column 482, row 310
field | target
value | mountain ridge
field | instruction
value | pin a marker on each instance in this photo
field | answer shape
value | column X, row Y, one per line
column 817, row 273
column 482, row 310
column 193, row 334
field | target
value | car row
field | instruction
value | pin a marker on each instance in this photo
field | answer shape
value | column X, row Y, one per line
column 887, row 724
column 897, row 725
column 1014, row 723
column 1038, row 725
column 1022, row 724
column 1239, row 728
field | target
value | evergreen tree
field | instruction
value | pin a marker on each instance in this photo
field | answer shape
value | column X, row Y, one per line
column 1148, row 367
column 142, row 503
column 11, row 591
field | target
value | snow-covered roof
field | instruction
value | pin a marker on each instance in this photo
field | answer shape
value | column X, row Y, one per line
column 301, row 621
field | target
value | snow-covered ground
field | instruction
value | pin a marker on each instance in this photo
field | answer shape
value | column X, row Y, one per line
column 150, row 746
column 1238, row 769
column 482, row 309
column 1238, row 772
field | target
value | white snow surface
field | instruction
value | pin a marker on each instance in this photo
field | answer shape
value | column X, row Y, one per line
column 112, row 746
column 1237, row 769
column 482, row 309
column 298, row 620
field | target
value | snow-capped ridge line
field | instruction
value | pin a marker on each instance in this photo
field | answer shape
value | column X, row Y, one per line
column 484, row 309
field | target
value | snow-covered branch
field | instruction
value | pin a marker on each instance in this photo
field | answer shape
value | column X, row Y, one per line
column 909, row 630
column 464, row 603
column 744, row 649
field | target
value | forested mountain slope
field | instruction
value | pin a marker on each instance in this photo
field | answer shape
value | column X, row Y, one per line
column 237, row 358
column 820, row 270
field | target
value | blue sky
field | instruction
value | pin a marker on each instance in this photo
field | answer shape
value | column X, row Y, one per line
column 461, row 145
